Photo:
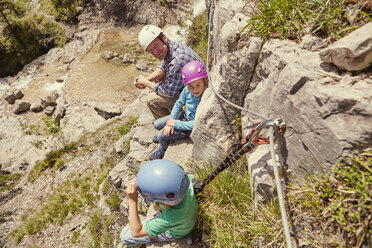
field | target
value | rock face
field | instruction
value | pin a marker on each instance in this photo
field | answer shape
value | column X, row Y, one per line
column 353, row 52
column 328, row 112
column 134, row 12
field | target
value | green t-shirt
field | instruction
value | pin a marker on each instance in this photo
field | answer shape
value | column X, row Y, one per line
column 179, row 220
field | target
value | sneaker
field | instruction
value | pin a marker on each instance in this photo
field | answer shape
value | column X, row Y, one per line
column 155, row 139
column 158, row 154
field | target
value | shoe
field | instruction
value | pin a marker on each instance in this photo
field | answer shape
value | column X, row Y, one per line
column 155, row 139
column 158, row 154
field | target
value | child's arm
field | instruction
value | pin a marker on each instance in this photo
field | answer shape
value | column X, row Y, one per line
column 136, row 228
column 177, row 107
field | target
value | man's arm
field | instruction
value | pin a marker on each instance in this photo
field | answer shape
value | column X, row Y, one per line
column 156, row 75
column 136, row 228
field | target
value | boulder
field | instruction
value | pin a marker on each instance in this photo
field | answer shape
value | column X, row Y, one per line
column 50, row 100
column 10, row 98
column 49, row 110
column 353, row 52
column 21, row 106
column 36, row 107
column 13, row 96
column 108, row 110
column 321, row 118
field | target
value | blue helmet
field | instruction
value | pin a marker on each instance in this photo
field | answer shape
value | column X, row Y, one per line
column 162, row 181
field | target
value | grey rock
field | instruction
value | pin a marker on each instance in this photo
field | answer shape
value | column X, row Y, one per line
column 312, row 43
column 49, row 110
column 107, row 55
column 36, row 107
column 23, row 166
column 10, row 98
column 142, row 65
column 353, row 52
column 108, row 110
column 121, row 174
column 50, row 100
column 18, row 94
column 13, row 95
column 120, row 145
column 54, row 55
column 214, row 127
column 261, row 171
column 128, row 59
column 317, row 115
column 21, row 106
column 59, row 112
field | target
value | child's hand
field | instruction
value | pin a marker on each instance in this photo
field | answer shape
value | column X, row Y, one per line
column 168, row 130
column 132, row 193
column 170, row 122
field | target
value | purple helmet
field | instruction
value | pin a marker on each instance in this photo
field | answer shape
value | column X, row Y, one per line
column 192, row 71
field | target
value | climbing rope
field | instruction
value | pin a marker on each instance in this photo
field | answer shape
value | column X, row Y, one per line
column 249, row 145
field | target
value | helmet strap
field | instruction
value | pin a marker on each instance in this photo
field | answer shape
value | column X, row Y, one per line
column 160, row 37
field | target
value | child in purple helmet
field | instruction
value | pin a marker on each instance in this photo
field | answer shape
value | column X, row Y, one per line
column 179, row 123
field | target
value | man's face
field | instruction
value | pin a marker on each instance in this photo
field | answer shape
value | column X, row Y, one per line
column 157, row 48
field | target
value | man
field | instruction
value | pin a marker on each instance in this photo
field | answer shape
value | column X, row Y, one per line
column 174, row 56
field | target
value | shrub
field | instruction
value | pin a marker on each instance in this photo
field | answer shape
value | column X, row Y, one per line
column 293, row 18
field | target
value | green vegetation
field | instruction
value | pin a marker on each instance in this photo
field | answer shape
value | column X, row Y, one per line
column 99, row 227
column 58, row 157
column 293, row 18
column 227, row 212
column 24, row 35
column 325, row 210
column 3, row 216
column 7, row 180
column 52, row 126
column 124, row 129
column 69, row 198
column 79, row 193
column 53, row 159
column 197, row 36
column 62, row 10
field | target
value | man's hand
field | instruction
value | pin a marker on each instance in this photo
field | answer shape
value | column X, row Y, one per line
column 132, row 193
column 141, row 82
column 138, row 84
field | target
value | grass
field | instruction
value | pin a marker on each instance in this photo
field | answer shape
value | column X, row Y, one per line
column 293, row 18
column 99, row 228
column 53, row 159
column 227, row 210
column 197, row 37
column 58, row 158
column 69, row 198
column 8, row 180
column 79, row 193
column 324, row 210
column 127, row 126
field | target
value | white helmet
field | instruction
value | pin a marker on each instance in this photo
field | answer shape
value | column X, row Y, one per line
column 148, row 34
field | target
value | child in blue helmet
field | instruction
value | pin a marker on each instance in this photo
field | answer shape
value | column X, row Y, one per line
column 166, row 184
column 179, row 123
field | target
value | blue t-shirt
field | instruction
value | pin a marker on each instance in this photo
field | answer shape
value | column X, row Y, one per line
column 191, row 102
